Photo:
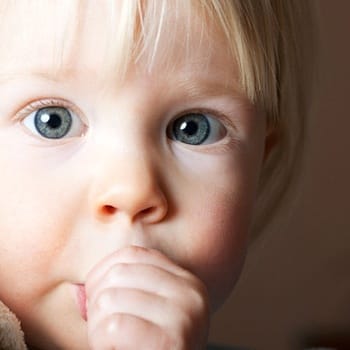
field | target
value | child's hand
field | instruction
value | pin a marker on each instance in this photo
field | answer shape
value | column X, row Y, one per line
column 139, row 299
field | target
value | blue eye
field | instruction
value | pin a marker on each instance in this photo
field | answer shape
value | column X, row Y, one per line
column 54, row 122
column 196, row 129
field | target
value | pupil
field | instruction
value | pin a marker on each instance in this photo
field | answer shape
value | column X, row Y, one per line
column 55, row 121
column 190, row 128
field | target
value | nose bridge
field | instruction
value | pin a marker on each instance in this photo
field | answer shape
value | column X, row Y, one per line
column 128, row 182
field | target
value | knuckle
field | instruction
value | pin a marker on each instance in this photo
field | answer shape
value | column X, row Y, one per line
column 199, row 301
column 114, row 324
column 193, row 330
column 105, row 335
column 118, row 270
column 105, row 298
column 198, row 298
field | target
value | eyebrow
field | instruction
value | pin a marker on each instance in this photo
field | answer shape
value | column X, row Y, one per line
column 52, row 75
column 197, row 88
column 194, row 87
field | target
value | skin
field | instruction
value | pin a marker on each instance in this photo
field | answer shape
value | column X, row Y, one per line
column 153, row 229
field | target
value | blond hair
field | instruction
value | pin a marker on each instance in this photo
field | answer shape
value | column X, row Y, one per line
column 270, row 41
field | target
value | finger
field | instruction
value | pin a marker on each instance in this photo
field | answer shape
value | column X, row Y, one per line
column 155, row 309
column 132, row 255
column 120, row 331
column 148, row 278
column 185, row 325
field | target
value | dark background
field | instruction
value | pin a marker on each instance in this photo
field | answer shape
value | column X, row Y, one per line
column 295, row 288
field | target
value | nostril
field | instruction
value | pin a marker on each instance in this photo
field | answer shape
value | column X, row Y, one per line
column 151, row 214
column 108, row 209
column 147, row 211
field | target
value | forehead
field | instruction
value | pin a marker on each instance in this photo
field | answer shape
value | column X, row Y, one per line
column 61, row 37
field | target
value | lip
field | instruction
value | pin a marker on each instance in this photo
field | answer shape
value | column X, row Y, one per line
column 81, row 299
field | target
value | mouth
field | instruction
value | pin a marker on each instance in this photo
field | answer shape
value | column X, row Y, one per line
column 81, row 300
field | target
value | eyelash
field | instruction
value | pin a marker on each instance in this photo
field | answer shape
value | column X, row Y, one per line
column 38, row 104
column 222, row 117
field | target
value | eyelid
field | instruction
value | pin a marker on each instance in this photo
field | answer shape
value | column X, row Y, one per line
column 48, row 102
column 214, row 113
column 79, row 128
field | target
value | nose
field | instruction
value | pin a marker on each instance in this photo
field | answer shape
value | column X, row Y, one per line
column 131, row 188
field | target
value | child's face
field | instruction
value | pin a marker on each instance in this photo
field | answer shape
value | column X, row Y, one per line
column 125, row 174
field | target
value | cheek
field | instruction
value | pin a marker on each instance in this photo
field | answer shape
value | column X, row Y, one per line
column 28, row 238
column 215, row 236
column 32, row 225
column 217, row 247
column 217, row 209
